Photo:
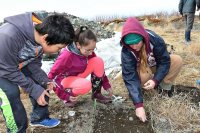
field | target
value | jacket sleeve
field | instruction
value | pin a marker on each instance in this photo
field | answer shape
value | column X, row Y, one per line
column 106, row 85
column 198, row 4
column 37, row 73
column 180, row 6
column 130, row 75
column 9, row 67
column 62, row 64
column 162, row 58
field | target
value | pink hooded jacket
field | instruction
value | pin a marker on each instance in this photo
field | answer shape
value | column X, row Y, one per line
column 70, row 63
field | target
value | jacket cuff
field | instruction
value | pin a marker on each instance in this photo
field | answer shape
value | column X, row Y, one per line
column 156, row 82
column 107, row 86
column 138, row 105
column 50, row 76
column 36, row 92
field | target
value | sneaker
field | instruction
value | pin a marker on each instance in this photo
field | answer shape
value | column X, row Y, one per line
column 163, row 92
column 187, row 42
column 49, row 123
column 170, row 93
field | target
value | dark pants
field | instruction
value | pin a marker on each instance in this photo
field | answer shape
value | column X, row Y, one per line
column 189, row 20
column 38, row 112
column 13, row 109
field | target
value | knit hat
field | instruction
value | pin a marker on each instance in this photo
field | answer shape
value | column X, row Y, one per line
column 132, row 38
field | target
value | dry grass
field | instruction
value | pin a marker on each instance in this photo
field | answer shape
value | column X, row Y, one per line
column 178, row 114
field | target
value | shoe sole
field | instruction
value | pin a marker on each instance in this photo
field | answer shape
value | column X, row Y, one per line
column 104, row 101
column 40, row 125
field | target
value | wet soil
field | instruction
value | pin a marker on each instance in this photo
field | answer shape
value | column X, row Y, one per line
column 111, row 118
column 119, row 121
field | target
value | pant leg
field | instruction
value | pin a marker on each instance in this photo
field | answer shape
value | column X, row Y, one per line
column 145, row 76
column 38, row 112
column 79, row 86
column 175, row 66
column 189, row 21
column 12, row 108
column 96, row 66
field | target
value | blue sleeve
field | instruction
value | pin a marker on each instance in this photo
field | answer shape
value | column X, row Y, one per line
column 130, row 75
column 162, row 58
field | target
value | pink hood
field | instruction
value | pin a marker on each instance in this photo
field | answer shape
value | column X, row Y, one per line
column 132, row 25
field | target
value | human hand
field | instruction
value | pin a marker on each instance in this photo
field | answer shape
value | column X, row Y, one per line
column 110, row 92
column 41, row 100
column 73, row 99
column 150, row 84
column 140, row 113
column 51, row 85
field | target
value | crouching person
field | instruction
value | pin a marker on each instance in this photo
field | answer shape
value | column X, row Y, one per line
column 146, row 63
column 23, row 40
column 74, row 64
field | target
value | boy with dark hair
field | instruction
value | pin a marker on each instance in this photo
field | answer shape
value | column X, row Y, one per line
column 23, row 40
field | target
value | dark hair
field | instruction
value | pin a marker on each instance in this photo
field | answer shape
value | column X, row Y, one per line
column 58, row 28
column 83, row 34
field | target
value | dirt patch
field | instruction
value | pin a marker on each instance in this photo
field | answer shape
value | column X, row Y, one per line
column 118, row 121
column 98, row 118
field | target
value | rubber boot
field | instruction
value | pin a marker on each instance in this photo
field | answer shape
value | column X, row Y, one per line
column 164, row 88
column 96, row 90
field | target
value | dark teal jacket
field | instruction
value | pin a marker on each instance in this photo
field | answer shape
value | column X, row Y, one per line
column 188, row 6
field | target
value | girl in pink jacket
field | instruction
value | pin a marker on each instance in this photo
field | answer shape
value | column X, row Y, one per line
column 74, row 64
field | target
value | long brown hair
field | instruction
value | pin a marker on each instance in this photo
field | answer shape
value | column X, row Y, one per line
column 143, row 59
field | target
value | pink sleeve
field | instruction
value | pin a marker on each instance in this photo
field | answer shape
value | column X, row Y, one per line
column 61, row 65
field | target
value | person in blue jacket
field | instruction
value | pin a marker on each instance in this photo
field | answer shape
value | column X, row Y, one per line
column 23, row 40
column 146, row 63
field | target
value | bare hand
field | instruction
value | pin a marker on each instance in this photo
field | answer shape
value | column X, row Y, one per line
column 110, row 92
column 140, row 113
column 51, row 85
column 41, row 100
column 150, row 84
column 73, row 99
